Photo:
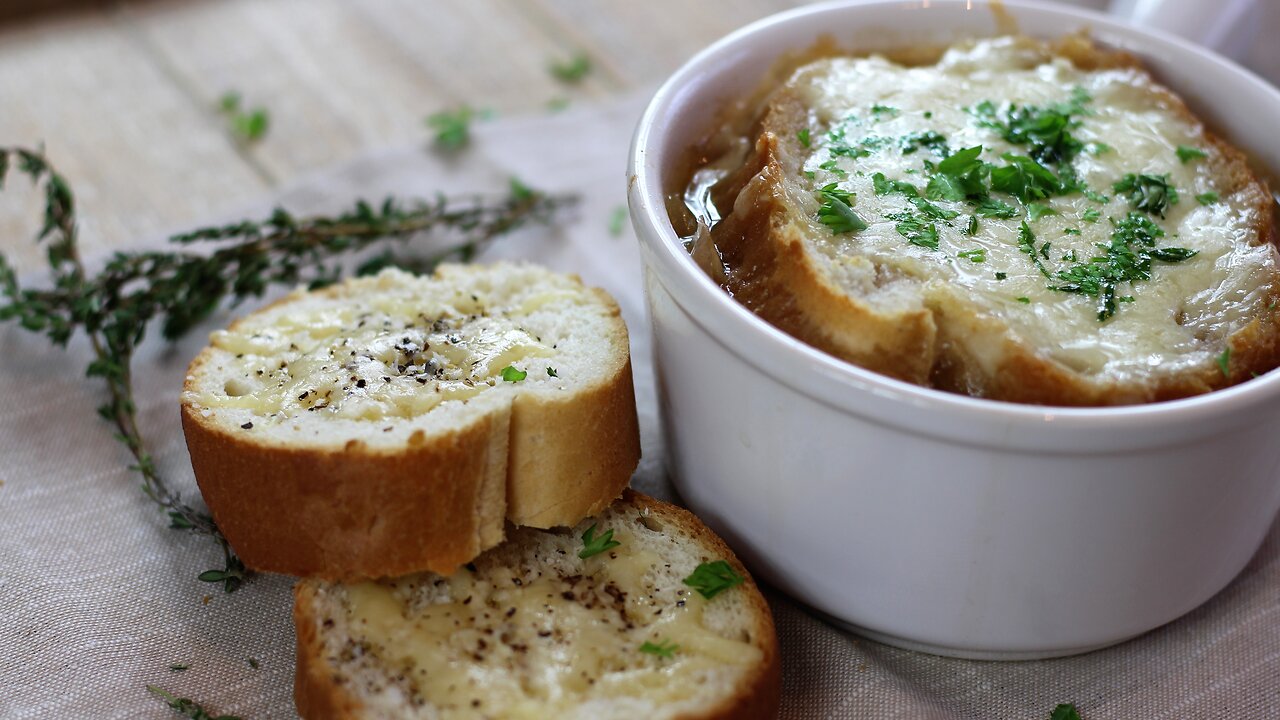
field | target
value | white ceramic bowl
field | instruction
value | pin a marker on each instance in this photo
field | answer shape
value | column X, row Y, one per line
column 929, row 520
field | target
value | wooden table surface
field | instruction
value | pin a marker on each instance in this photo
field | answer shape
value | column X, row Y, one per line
column 124, row 95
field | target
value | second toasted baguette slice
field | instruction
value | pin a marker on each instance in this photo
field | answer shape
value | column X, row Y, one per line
column 533, row 630
column 393, row 424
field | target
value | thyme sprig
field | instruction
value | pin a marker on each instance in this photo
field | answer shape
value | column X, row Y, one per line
column 179, row 288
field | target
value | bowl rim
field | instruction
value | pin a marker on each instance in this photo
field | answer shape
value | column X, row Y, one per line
column 846, row 386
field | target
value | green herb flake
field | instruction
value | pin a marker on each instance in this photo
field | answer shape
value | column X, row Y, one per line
column 1207, row 198
column 1046, row 130
column 1027, row 244
column 961, row 175
column 1065, row 711
column 519, row 191
column 1152, row 194
column 1024, row 300
column 834, row 168
column 1002, row 275
column 803, row 137
column 179, row 667
column 977, row 255
column 551, row 372
column 452, row 128
column 618, row 221
column 663, row 648
column 511, row 374
column 1070, row 231
column 918, row 232
column 593, row 544
column 712, row 578
column 1096, row 196
column 1024, row 178
column 995, row 208
column 1224, row 362
column 1035, row 211
column 246, row 125
column 573, row 70
column 253, row 663
column 885, row 186
column 879, row 111
column 927, row 139
column 835, row 210
column 185, row 706
column 1186, row 154
column 1091, row 215
column 972, row 227
column 1100, row 148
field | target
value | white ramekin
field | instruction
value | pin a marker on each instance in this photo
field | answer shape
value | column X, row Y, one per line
column 929, row 520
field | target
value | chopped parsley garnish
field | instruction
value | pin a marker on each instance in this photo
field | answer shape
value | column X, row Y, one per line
column 1002, row 275
column 803, row 137
column 572, row 70
column 930, row 210
column 977, row 255
column 511, row 374
column 1027, row 244
column 972, row 227
column 884, row 186
column 1128, row 259
column 1186, row 154
column 836, row 212
column 960, row 176
column 1024, row 178
column 918, row 231
column 1207, row 198
column 1091, row 215
column 1100, row 148
column 1023, row 300
column 1045, row 129
column 993, row 208
column 832, row 167
column 1150, row 193
column 1224, row 362
column 1096, row 196
column 593, row 544
column 927, row 139
column 712, row 578
column 551, row 372
column 1035, row 211
column 1065, row 711
column 663, row 648
column 879, row 110
column 179, row 667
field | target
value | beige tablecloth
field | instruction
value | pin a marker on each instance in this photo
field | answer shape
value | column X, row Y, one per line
column 98, row 598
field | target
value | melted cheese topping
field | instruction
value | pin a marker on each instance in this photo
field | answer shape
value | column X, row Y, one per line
column 495, row 643
column 1177, row 318
column 367, row 359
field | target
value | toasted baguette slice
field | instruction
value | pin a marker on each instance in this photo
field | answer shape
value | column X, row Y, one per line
column 393, row 424
column 942, row 291
column 531, row 630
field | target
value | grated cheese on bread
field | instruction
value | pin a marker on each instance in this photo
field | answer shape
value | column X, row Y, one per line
column 393, row 424
column 531, row 630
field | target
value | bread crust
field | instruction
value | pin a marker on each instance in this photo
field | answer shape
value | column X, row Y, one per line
column 352, row 511
column 572, row 457
column 319, row 694
column 772, row 272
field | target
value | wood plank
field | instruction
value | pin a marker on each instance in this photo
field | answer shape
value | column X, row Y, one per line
column 142, row 161
column 643, row 42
